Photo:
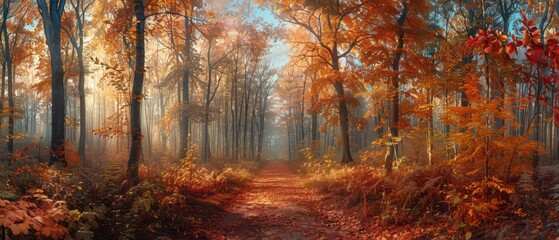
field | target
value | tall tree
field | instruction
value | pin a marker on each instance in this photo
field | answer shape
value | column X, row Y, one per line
column 51, row 15
column 76, row 36
column 395, row 87
column 336, row 32
column 9, row 66
column 186, row 10
column 137, row 92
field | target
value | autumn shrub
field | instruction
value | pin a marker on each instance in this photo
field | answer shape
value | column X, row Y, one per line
column 198, row 180
column 481, row 202
column 83, row 224
column 164, row 199
column 426, row 188
column 318, row 165
column 101, row 203
column 444, row 192
column 24, row 178
column 358, row 184
column 34, row 216
column 149, row 208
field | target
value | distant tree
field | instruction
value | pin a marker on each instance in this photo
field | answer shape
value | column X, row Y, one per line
column 76, row 36
column 336, row 32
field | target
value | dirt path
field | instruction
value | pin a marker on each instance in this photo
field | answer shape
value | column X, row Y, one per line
column 278, row 206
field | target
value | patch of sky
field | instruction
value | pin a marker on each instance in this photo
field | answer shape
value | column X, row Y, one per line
column 279, row 51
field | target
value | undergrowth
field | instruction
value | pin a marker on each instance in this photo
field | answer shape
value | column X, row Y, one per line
column 461, row 200
column 172, row 199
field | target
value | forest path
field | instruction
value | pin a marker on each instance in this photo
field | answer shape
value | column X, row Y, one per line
column 277, row 206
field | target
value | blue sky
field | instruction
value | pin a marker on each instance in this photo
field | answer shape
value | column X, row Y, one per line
column 278, row 54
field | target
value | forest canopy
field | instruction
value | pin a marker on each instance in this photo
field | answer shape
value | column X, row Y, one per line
column 119, row 118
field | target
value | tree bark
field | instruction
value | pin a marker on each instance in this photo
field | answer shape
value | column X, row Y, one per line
column 391, row 147
column 136, row 98
column 343, row 112
column 81, row 85
column 9, row 68
column 52, row 16
column 3, row 94
column 206, row 136
column 236, row 117
column 184, row 120
column 314, row 120
column 262, row 113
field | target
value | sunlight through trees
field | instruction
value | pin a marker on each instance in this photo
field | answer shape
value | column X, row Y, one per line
column 394, row 119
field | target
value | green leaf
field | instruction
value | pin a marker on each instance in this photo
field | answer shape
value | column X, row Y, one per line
column 468, row 235
column 456, row 199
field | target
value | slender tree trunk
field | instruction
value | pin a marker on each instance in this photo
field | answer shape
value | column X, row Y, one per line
column 262, row 113
column 206, row 136
column 248, row 89
column 236, row 117
column 226, row 130
column 303, row 110
column 472, row 30
column 506, row 13
column 137, row 96
column 81, row 89
column 9, row 65
column 430, row 128
column 3, row 94
column 315, row 141
column 392, row 146
column 184, row 120
column 289, row 138
column 162, row 131
column 252, row 123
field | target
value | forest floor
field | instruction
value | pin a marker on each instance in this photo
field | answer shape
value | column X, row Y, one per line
column 276, row 205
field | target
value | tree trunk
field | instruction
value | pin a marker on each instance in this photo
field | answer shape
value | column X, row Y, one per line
column 430, row 128
column 206, row 134
column 343, row 111
column 161, row 102
column 303, row 110
column 3, row 94
column 52, row 16
column 226, row 128
column 9, row 65
column 81, row 89
column 391, row 147
column 248, row 89
column 137, row 89
column 236, row 117
column 315, row 141
column 252, row 123
column 184, row 133
column 262, row 113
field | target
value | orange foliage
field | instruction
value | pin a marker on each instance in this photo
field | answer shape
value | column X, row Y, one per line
column 34, row 214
